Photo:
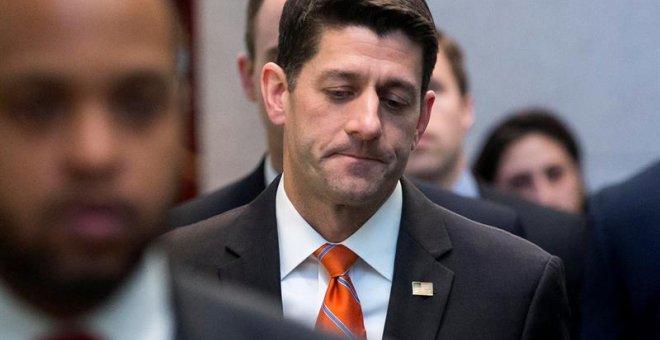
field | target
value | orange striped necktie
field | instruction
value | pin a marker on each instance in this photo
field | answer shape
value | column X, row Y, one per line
column 341, row 312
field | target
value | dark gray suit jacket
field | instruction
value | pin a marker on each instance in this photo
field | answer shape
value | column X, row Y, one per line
column 559, row 233
column 238, row 193
column 488, row 284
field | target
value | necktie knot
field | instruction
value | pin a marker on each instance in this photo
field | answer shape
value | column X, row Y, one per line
column 336, row 258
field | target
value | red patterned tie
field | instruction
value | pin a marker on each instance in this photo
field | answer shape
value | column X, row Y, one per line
column 341, row 312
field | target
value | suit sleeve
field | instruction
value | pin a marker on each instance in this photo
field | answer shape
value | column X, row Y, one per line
column 549, row 313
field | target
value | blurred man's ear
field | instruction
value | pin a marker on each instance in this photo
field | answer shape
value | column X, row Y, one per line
column 275, row 93
column 246, row 72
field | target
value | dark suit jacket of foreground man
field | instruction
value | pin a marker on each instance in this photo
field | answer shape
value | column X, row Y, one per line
column 244, row 190
column 202, row 311
column 488, row 284
column 622, row 287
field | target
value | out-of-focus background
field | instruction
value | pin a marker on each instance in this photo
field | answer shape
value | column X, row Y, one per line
column 595, row 62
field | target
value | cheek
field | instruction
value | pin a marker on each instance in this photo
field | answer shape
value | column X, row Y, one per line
column 27, row 176
column 154, row 167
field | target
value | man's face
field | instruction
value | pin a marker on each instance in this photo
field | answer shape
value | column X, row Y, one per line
column 354, row 116
column 90, row 129
column 441, row 147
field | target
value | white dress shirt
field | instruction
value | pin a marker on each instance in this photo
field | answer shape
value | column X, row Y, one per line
column 141, row 309
column 305, row 280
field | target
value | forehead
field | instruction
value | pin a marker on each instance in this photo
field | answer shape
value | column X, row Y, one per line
column 359, row 49
column 70, row 35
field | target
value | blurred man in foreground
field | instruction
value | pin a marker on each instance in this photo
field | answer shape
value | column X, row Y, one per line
column 91, row 122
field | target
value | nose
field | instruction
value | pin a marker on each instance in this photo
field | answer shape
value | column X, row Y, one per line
column 91, row 142
column 364, row 120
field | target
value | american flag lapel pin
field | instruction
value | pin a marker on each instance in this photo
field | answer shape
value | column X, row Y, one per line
column 422, row 288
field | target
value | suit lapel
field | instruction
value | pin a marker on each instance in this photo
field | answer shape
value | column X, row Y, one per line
column 254, row 244
column 423, row 239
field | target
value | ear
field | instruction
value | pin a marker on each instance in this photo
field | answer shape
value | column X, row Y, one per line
column 467, row 120
column 246, row 72
column 274, row 90
column 424, row 117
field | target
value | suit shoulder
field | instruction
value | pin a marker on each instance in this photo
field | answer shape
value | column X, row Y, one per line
column 489, row 242
column 202, row 240
column 231, row 196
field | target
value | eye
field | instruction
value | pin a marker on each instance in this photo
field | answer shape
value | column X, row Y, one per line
column 339, row 93
column 139, row 101
column 394, row 103
column 520, row 182
column 35, row 105
column 554, row 173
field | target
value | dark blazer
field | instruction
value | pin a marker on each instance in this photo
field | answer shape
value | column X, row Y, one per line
column 622, row 288
column 560, row 234
column 489, row 213
column 249, row 187
column 204, row 312
column 488, row 284
column 238, row 193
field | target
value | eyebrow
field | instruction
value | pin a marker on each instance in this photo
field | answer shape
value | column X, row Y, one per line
column 335, row 74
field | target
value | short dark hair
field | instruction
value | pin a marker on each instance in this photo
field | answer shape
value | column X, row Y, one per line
column 303, row 21
column 519, row 124
column 250, row 23
column 454, row 54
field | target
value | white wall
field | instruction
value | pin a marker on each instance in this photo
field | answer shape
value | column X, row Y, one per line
column 231, row 138
column 597, row 62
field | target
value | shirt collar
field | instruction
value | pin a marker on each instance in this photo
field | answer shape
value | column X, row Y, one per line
column 141, row 308
column 466, row 186
column 375, row 242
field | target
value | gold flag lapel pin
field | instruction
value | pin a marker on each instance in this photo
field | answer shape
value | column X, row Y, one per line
column 422, row 288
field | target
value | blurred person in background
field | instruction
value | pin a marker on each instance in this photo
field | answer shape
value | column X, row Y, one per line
column 533, row 154
column 261, row 31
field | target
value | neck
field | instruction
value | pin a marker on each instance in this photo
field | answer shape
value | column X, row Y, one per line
column 335, row 222
column 449, row 176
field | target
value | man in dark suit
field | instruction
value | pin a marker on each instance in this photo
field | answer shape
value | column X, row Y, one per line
column 621, row 297
column 91, row 131
column 350, row 90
